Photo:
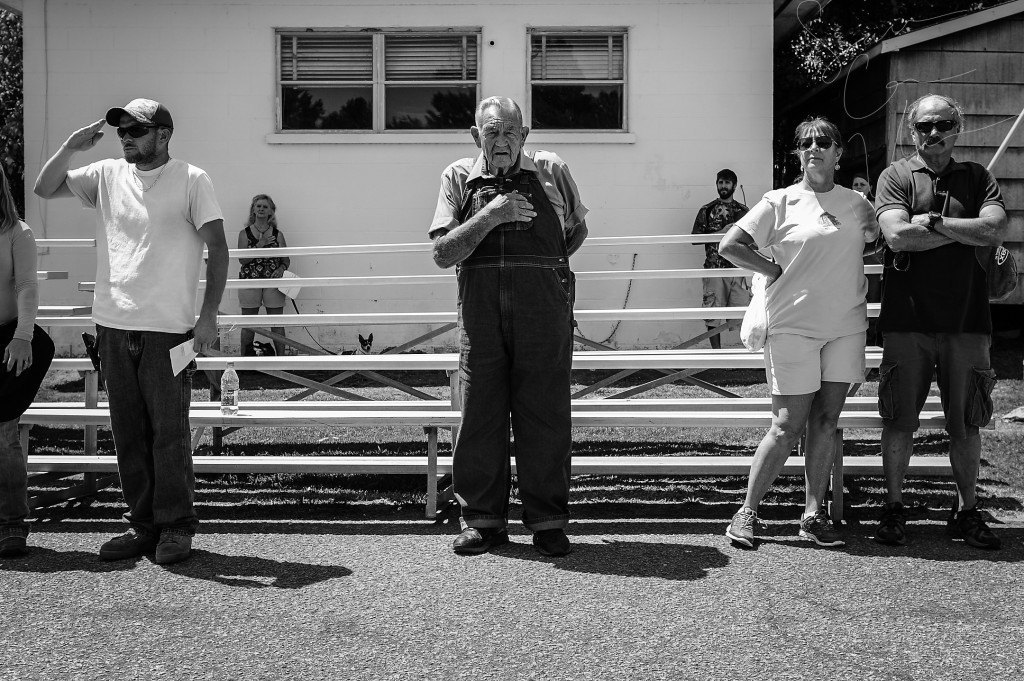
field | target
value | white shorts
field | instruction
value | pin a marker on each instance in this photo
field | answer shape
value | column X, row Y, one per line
column 797, row 365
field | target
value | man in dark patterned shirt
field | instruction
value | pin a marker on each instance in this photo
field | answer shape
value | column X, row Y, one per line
column 716, row 217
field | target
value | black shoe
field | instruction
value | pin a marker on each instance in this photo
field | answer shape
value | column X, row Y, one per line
column 479, row 540
column 969, row 525
column 552, row 542
column 13, row 546
column 131, row 544
column 892, row 525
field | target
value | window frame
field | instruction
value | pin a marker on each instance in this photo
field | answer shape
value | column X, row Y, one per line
column 378, row 84
column 610, row 31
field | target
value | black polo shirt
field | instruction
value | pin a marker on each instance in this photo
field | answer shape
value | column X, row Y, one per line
column 943, row 289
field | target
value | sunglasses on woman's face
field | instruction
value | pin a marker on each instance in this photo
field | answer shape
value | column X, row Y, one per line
column 822, row 142
column 134, row 131
column 925, row 127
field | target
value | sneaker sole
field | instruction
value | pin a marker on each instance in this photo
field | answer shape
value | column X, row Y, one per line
column 742, row 541
column 176, row 558
column 807, row 535
column 982, row 545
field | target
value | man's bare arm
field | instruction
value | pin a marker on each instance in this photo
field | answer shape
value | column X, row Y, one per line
column 51, row 182
column 988, row 229
column 205, row 331
column 905, row 233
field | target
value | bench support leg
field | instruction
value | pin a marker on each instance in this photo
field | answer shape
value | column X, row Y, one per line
column 431, row 510
column 836, row 504
column 92, row 387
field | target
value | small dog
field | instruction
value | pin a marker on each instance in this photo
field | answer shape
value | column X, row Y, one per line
column 365, row 346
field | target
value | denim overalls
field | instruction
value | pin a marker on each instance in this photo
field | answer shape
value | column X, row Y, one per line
column 515, row 332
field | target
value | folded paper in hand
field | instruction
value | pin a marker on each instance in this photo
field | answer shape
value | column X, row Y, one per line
column 290, row 291
column 181, row 355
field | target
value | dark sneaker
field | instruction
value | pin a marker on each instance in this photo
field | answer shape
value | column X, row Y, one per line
column 128, row 545
column 479, row 540
column 552, row 542
column 174, row 547
column 744, row 527
column 13, row 546
column 819, row 529
column 892, row 526
column 969, row 525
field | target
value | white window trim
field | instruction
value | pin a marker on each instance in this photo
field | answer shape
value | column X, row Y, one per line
column 562, row 30
column 535, row 139
column 378, row 84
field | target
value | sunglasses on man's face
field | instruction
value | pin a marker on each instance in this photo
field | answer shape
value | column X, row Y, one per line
column 925, row 127
column 134, row 131
column 822, row 142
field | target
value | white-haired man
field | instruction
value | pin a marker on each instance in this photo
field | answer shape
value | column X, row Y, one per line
column 509, row 220
column 935, row 319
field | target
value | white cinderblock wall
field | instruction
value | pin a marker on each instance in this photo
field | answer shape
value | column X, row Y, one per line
column 699, row 99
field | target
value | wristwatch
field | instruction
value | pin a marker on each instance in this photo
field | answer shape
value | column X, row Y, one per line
column 933, row 217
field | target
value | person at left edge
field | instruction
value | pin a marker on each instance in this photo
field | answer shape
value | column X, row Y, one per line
column 26, row 354
column 509, row 219
column 154, row 215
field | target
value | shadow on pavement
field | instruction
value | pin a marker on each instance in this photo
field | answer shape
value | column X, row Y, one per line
column 42, row 560
column 251, row 572
column 680, row 562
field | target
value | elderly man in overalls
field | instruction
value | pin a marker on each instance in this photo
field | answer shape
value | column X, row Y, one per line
column 509, row 220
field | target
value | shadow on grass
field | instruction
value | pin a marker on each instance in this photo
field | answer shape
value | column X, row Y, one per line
column 931, row 542
column 680, row 562
column 251, row 572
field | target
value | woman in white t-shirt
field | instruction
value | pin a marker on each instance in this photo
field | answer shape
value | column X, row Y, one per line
column 261, row 231
column 814, row 232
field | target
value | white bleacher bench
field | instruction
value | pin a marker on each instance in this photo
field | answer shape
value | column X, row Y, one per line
column 434, row 415
column 860, row 412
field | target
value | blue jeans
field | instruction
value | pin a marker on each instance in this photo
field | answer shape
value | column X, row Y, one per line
column 149, row 419
column 13, row 482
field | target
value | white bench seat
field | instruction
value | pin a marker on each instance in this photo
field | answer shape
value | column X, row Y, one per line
column 342, row 416
column 449, row 361
column 418, row 465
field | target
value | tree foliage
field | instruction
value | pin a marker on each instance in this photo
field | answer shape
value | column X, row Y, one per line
column 848, row 28
column 12, row 134
column 844, row 30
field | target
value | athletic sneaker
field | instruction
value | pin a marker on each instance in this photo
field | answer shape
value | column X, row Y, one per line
column 969, row 525
column 745, row 524
column 819, row 529
column 892, row 526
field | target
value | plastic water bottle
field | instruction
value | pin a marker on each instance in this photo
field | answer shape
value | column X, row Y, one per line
column 229, row 391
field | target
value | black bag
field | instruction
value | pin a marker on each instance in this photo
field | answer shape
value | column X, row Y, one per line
column 1001, row 269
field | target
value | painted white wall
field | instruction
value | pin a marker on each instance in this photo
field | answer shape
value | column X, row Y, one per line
column 699, row 99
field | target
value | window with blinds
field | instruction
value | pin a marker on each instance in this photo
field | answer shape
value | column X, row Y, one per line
column 578, row 79
column 378, row 81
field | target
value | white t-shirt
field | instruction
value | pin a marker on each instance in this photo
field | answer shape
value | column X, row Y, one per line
column 150, row 251
column 818, row 241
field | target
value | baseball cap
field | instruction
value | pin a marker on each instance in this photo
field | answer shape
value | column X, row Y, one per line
column 142, row 110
